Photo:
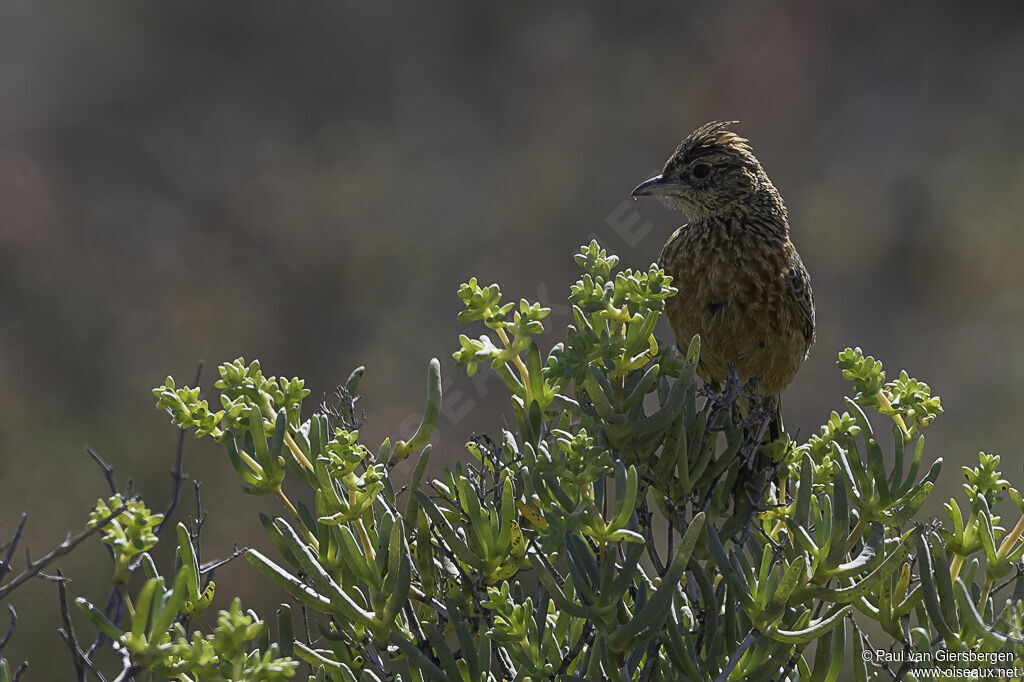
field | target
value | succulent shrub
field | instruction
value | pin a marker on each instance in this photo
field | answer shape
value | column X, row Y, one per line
column 629, row 527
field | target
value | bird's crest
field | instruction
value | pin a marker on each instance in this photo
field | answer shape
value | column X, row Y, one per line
column 710, row 139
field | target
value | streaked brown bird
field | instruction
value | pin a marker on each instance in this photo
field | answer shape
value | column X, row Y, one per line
column 742, row 285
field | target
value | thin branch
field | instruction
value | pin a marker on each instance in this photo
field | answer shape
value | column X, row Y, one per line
column 438, row 542
column 10, row 631
column 644, row 517
column 1009, row 582
column 651, row 664
column 128, row 670
column 77, row 652
column 60, row 550
column 373, row 659
column 737, row 655
column 214, row 565
column 108, row 471
column 791, row 663
column 200, row 518
column 196, row 535
column 3, row 642
column 586, row 639
column 670, row 535
column 178, row 475
column 68, row 633
column 115, row 602
column 906, row 665
column 5, row 565
column 305, row 625
column 414, row 621
column 505, row 659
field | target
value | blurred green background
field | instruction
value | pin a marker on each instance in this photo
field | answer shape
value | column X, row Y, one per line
column 308, row 184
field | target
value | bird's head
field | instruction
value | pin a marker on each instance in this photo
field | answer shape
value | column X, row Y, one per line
column 712, row 170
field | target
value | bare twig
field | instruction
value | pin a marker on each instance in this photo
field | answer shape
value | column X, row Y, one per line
column 305, row 624
column 7, row 637
column 644, row 517
column 214, row 565
column 5, row 565
column 10, row 631
column 505, row 659
column 68, row 633
column 414, row 621
column 77, row 653
column 128, row 670
column 373, row 659
column 200, row 517
column 108, row 471
column 196, row 536
column 60, row 550
column 737, row 655
column 1011, row 581
column 586, row 639
column 651, row 664
column 115, row 602
column 178, row 474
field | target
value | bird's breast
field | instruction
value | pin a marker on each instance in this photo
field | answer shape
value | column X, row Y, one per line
column 732, row 293
column 726, row 269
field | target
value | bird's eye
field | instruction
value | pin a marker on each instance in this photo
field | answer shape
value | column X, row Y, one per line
column 701, row 170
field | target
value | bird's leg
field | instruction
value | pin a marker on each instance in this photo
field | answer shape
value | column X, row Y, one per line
column 777, row 427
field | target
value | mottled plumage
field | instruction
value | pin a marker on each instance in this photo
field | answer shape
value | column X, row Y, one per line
column 742, row 285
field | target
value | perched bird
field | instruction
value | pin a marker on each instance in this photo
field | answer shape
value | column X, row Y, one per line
column 742, row 285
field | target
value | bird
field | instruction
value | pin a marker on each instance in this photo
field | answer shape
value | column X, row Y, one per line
column 742, row 285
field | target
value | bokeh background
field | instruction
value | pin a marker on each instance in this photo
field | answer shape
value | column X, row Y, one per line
column 308, row 185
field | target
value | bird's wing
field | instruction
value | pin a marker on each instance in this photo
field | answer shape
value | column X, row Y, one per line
column 669, row 257
column 798, row 282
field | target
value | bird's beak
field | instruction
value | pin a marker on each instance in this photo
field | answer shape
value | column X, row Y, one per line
column 656, row 186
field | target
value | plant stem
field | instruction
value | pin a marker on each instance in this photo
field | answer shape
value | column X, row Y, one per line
column 856, row 533
column 294, row 513
column 1011, row 539
column 296, row 452
column 954, row 566
column 896, row 416
column 984, row 595
column 364, row 538
column 127, row 601
column 523, row 372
